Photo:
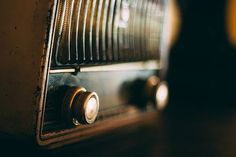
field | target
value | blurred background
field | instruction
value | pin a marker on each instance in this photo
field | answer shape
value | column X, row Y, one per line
column 202, row 58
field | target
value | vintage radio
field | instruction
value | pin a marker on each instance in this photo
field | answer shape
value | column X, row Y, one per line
column 72, row 69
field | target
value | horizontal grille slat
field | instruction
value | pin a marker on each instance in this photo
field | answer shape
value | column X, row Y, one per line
column 91, row 32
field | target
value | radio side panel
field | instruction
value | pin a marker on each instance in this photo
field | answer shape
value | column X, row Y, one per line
column 22, row 39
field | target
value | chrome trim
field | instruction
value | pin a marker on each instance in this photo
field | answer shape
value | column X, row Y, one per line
column 62, row 71
column 149, row 65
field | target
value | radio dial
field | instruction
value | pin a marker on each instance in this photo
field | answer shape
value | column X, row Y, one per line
column 157, row 91
column 82, row 106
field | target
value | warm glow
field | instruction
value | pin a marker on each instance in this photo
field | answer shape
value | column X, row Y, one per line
column 173, row 22
column 231, row 21
column 162, row 96
column 153, row 81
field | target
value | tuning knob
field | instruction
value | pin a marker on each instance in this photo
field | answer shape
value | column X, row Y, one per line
column 80, row 106
column 157, row 91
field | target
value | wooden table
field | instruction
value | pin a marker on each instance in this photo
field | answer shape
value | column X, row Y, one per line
column 172, row 133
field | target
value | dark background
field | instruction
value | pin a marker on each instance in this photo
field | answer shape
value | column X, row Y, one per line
column 202, row 61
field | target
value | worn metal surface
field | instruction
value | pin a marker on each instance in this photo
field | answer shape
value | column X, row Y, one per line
column 23, row 60
column 108, row 86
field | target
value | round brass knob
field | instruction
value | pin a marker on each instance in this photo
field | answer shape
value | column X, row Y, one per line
column 157, row 91
column 85, row 107
column 81, row 106
column 162, row 95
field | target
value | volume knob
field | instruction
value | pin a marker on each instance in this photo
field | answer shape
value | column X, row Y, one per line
column 82, row 106
column 157, row 91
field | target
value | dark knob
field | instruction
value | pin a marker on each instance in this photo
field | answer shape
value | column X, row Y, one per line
column 157, row 91
column 81, row 106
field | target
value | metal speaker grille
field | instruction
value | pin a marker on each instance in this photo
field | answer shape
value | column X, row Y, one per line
column 89, row 32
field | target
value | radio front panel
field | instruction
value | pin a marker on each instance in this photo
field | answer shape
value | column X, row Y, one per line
column 105, row 62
